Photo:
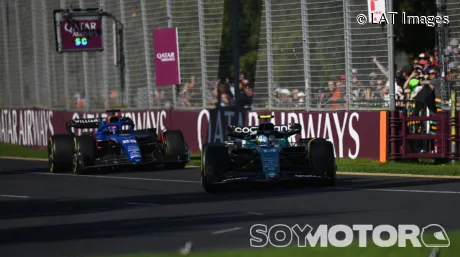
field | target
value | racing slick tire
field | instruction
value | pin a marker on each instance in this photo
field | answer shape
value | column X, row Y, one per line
column 175, row 149
column 60, row 153
column 214, row 161
column 322, row 160
column 84, row 153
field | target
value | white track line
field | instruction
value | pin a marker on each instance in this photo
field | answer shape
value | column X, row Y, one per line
column 14, row 196
column 254, row 213
column 225, row 230
column 401, row 190
column 116, row 177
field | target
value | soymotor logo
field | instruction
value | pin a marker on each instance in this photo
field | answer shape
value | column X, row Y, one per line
column 281, row 235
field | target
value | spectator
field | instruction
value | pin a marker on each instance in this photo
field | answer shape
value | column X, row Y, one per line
column 380, row 66
column 247, row 96
column 187, row 92
column 384, row 70
column 434, row 59
column 412, row 82
column 284, row 97
column 297, row 98
column 160, row 98
column 301, row 98
column 380, row 87
column 325, row 95
column 433, row 81
column 336, row 93
column 386, row 92
column 436, row 56
column 423, row 60
column 425, row 98
column 358, row 90
column 113, row 98
column 225, row 89
column 371, row 91
column 225, row 100
column 80, row 102
column 212, row 92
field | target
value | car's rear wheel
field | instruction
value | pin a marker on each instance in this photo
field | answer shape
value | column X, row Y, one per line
column 84, row 153
column 322, row 160
column 60, row 153
column 175, row 149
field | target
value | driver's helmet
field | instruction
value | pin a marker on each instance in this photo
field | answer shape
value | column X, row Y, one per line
column 262, row 140
column 113, row 129
column 110, row 119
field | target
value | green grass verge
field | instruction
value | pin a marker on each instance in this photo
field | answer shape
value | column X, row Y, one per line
column 351, row 251
column 415, row 167
column 344, row 165
column 20, row 151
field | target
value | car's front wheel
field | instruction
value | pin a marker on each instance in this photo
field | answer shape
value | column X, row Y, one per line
column 214, row 162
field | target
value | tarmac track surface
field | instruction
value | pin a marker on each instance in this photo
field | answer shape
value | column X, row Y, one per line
column 43, row 214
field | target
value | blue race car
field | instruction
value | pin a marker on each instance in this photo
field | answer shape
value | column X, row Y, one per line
column 267, row 155
column 115, row 143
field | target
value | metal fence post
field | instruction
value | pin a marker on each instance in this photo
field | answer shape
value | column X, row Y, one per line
column 21, row 73
column 169, row 16
column 66, row 68
column 6, row 52
column 35, row 34
column 204, row 70
column 391, row 71
column 441, row 33
column 147, row 47
column 105, row 58
column 45, row 13
column 268, row 28
column 126, row 100
column 306, row 54
column 348, row 59
column 88, row 102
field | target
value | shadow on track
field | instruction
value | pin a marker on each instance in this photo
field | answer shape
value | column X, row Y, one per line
column 29, row 208
column 142, row 226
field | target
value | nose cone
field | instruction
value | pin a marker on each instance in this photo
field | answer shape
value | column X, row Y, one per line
column 136, row 160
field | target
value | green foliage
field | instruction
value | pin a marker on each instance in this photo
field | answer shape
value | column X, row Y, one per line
column 249, row 34
column 412, row 39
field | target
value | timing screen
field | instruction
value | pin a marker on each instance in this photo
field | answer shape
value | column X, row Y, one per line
column 81, row 35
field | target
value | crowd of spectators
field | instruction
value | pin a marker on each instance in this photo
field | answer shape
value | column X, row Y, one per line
column 367, row 90
column 221, row 93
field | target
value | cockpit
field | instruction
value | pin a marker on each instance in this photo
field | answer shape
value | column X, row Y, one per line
column 115, row 129
column 112, row 119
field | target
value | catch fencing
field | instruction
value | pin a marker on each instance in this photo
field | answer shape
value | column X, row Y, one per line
column 302, row 47
column 450, row 40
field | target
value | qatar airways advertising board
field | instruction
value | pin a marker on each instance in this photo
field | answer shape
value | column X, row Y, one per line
column 355, row 134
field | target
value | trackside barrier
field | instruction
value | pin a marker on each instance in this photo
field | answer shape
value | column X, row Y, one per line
column 410, row 136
